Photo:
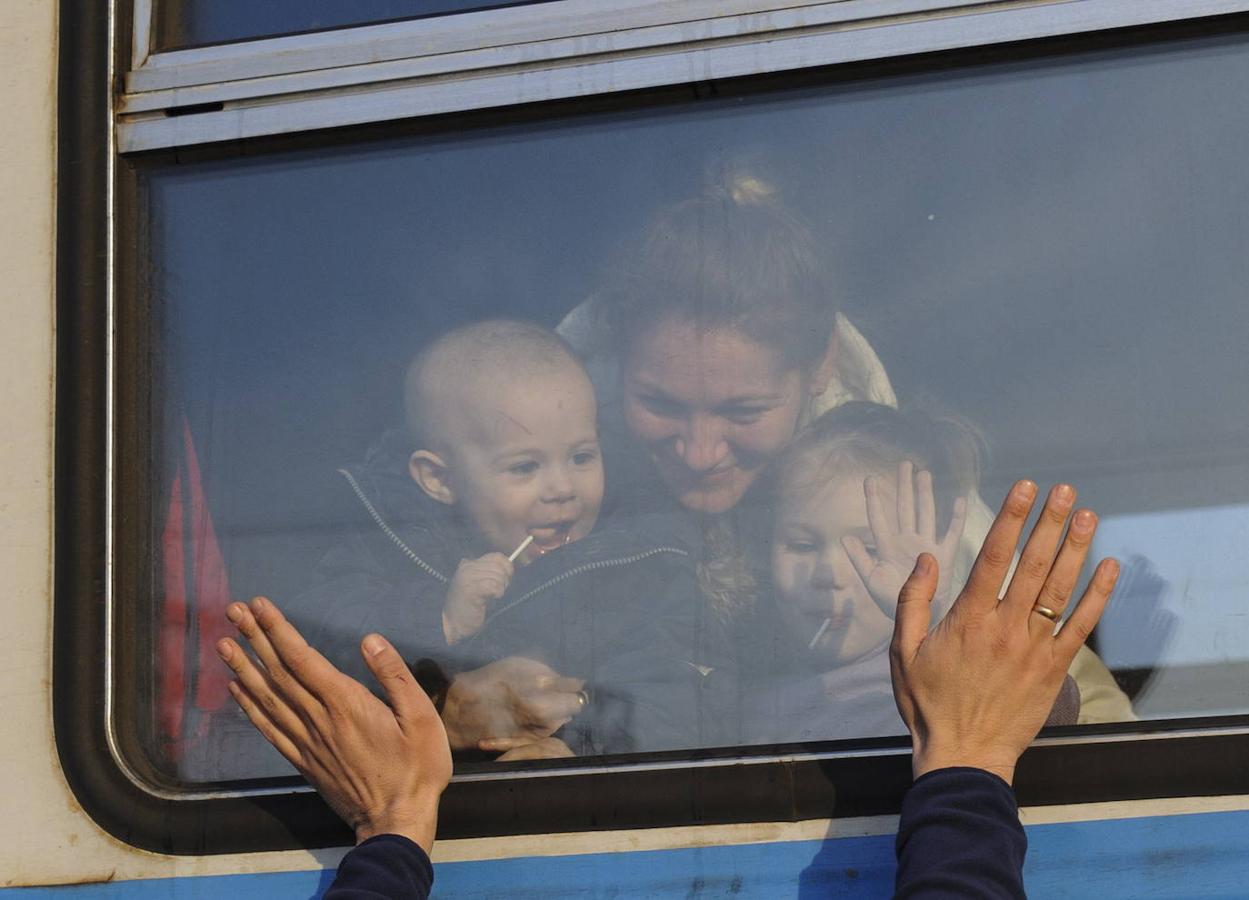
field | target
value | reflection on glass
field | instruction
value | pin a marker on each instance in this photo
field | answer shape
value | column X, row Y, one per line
column 660, row 538
column 1179, row 632
column 193, row 23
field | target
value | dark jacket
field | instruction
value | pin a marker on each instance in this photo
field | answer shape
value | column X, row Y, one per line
column 620, row 608
column 959, row 837
column 385, row 867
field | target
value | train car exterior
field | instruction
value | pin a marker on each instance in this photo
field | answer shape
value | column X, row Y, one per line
column 223, row 226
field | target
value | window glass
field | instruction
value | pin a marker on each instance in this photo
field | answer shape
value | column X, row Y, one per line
column 192, row 23
column 1044, row 263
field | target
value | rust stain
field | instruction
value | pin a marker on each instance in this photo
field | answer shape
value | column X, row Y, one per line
column 106, row 879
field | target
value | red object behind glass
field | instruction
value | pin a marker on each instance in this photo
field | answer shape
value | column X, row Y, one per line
column 191, row 683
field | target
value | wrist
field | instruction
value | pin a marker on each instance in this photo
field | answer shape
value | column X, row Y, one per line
column 416, row 820
column 931, row 758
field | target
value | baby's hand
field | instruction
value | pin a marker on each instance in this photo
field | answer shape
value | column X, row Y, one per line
column 476, row 584
column 886, row 570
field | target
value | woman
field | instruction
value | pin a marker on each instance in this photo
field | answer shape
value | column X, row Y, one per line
column 716, row 344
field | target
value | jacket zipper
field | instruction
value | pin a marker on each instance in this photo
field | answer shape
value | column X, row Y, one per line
column 584, row 567
column 575, row 570
column 381, row 523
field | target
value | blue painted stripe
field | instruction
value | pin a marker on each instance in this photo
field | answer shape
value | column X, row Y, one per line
column 1201, row 856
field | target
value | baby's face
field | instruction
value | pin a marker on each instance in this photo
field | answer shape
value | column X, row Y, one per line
column 529, row 463
column 815, row 580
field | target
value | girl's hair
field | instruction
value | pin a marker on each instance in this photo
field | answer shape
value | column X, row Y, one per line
column 735, row 258
column 875, row 437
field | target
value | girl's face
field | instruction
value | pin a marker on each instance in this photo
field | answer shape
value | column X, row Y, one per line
column 711, row 407
column 815, row 580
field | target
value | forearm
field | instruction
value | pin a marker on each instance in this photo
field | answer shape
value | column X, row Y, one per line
column 960, row 837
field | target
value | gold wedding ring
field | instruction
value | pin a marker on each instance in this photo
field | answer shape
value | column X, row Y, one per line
column 1047, row 612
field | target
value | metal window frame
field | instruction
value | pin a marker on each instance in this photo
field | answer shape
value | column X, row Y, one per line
column 476, row 30
column 561, row 50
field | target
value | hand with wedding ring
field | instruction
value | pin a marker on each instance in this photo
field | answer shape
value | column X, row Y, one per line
column 523, row 746
column 508, row 703
column 975, row 690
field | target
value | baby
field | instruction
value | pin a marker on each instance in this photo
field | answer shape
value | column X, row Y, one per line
column 504, row 418
column 862, row 492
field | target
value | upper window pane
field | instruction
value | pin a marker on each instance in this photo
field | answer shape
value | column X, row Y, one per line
column 194, row 23
column 1044, row 260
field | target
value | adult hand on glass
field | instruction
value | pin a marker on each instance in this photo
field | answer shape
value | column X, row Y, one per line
column 976, row 689
column 381, row 768
column 514, row 698
column 900, row 538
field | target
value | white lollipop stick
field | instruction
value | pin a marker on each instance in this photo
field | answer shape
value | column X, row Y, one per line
column 819, row 634
column 521, row 549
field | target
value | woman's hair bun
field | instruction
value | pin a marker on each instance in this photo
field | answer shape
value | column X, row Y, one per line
column 730, row 257
column 749, row 190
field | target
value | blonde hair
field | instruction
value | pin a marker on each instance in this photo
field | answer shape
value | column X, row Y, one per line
column 874, row 436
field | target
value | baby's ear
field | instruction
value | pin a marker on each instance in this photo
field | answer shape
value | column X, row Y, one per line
column 432, row 474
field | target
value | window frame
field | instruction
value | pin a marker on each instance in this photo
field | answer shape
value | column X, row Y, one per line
column 581, row 48
column 99, row 487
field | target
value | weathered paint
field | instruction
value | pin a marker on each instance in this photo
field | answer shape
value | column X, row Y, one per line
column 28, row 98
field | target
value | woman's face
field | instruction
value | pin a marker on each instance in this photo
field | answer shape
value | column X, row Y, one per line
column 711, row 407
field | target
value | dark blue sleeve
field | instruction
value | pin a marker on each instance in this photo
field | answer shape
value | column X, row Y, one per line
column 960, row 837
column 386, row 867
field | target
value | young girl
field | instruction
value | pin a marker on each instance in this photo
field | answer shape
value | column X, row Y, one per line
column 861, row 493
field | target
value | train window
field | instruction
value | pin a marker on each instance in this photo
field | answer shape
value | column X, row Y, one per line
column 936, row 228
column 564, row 362
column 190, row 23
